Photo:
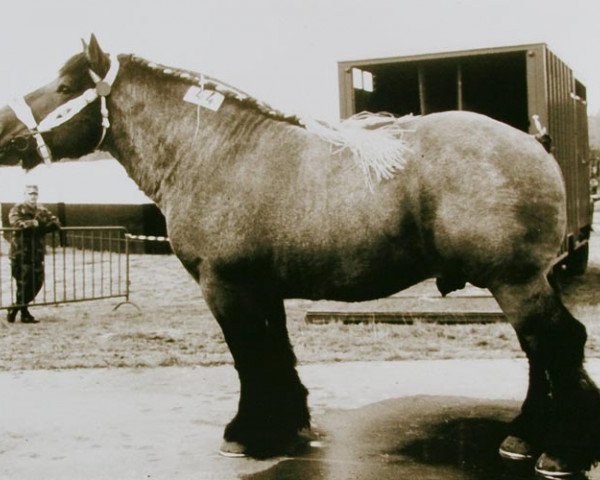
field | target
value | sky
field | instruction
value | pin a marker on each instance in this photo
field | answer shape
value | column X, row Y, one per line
column 285, row 52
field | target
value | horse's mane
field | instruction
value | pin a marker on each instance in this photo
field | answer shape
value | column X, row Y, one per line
column 211, row 83
column 376, row 140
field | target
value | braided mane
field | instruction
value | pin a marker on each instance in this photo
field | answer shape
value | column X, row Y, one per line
column 211, row 83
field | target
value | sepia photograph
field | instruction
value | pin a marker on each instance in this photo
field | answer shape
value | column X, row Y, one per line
column 300, row 239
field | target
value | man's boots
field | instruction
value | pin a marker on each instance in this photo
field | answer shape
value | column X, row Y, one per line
column 11, row 315
column 26, row 317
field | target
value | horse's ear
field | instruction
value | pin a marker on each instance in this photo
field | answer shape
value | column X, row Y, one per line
column 99, row 61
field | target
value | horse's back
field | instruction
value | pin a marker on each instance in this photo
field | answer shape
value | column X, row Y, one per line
column 477, row 198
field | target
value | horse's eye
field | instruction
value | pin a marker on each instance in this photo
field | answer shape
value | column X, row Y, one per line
column 64, row 88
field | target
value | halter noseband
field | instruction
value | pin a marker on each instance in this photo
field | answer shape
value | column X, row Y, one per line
column 68, row 110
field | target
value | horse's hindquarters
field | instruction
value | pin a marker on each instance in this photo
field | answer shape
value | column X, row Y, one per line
column 498, row 201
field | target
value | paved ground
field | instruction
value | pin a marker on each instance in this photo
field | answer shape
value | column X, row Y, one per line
column 378, row 420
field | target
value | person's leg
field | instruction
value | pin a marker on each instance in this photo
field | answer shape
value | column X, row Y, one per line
column 33, row 281
column 17, row 273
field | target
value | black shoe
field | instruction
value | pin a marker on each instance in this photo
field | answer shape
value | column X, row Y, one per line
column 11, row 315
column 28, row 319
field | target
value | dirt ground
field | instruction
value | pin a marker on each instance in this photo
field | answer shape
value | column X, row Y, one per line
column 172, row 326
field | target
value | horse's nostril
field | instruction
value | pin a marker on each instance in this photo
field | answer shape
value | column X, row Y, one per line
column 20, row 143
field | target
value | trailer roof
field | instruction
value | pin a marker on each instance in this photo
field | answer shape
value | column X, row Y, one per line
column 438, row 55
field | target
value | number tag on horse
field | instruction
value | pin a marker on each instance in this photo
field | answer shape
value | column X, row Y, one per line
column 205, row 98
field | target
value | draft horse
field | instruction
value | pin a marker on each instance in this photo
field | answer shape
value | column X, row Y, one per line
column 263, row 206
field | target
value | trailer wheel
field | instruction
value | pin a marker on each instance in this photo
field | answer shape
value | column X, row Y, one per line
column 577, row 261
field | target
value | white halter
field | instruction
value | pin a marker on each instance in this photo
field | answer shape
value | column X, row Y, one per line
column 68, row 110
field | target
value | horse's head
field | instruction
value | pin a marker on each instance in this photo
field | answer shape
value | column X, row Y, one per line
column 65, row 118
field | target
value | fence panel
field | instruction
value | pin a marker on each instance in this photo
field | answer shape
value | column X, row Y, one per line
column 79, row 264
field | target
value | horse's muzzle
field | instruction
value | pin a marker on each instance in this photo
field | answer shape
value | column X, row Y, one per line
column 20, row 144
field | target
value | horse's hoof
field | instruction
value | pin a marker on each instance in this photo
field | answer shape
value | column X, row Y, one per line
column 295, row 445
column 552, row 467
column 307, row 435
column 516, row 449
column 232, row 449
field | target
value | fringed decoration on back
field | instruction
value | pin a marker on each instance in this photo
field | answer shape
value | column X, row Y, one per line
column 375, row 140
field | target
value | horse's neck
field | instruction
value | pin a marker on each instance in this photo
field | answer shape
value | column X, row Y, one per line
column 157, row 136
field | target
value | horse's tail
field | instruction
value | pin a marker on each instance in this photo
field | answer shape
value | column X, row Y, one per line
column 542, row 135
column 545, row 140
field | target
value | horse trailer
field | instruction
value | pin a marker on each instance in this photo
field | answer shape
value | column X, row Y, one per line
column 525, row 86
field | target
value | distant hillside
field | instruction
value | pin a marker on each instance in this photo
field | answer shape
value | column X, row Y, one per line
column 594, row 128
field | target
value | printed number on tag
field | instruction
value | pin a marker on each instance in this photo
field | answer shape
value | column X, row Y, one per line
column 205, row 98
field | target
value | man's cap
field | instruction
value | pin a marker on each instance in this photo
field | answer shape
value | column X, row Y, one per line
column 31, row 188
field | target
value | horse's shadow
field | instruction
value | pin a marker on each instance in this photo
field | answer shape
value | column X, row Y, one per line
column 421, row 438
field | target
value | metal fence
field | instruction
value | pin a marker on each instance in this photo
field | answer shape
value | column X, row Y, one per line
column 79, row 264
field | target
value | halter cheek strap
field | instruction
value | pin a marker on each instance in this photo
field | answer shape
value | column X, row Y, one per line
column 23, row 113
column 68, row 110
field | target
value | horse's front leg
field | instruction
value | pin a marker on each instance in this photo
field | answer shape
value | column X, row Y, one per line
column 272, row 408
column 562, row 413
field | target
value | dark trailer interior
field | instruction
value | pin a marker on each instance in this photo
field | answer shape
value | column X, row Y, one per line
column 510, row 84
column 493, row 85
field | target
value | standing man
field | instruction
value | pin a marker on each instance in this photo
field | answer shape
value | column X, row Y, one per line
column 27, row 250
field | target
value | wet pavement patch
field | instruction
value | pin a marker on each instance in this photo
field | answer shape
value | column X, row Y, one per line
column 421, row 438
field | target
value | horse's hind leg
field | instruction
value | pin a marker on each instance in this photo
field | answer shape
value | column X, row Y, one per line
column 561, row 414
column 272, row 408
